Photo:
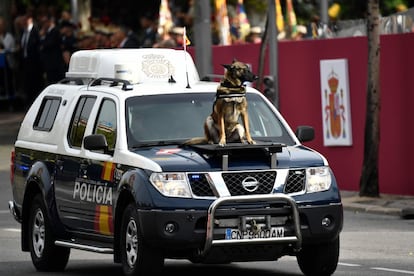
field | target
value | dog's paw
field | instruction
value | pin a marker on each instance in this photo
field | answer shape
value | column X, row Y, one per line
column 251, row 142
column 222, row 142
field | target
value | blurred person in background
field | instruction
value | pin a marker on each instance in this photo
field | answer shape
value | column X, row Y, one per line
column 127, row 38
column 69, row 41
column 8, row 63
column 33, row 81
column 51, row 50
column 255, row 35
column 149, row 31
column 167, row 40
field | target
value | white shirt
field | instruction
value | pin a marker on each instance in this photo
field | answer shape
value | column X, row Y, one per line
column 8, row 42
column 25, row 38
column 9, row 46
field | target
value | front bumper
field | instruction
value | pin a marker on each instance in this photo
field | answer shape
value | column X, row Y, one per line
column 322, row 223
column 203, row 231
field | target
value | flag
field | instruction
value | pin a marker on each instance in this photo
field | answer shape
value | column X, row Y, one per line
column 243, row 21
column 186, row 41
column 222, row 21
column 291, row 18
column 165, row 21
column 279, row 17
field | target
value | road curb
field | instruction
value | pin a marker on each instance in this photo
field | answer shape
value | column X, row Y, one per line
column 360, row 207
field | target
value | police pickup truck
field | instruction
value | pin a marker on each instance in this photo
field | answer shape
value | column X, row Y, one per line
column 100, row 164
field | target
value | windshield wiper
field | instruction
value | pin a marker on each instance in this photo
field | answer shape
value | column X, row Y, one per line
column 157, row 143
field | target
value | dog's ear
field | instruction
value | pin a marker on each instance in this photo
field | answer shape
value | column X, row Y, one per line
column 235, row 60
column 227, row 66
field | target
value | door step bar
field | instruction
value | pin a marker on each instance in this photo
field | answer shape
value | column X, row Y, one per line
column 79, row 246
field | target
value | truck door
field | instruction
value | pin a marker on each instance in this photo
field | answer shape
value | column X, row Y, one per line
column 97, row 183
column 70, row 164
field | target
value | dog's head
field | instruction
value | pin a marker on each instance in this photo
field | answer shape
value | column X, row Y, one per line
column 238, row 72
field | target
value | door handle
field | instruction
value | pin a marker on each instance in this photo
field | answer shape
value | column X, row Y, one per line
column 83, row 168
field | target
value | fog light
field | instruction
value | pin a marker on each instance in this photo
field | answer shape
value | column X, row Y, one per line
column 326, row 222
column 170, row 227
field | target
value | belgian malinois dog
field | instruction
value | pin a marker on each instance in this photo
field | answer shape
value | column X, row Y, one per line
column 222, row 125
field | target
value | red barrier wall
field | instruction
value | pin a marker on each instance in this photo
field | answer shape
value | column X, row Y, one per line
column 300, row 101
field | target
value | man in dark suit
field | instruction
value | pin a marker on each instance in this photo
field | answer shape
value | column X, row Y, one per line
column 51, row 50
column 33, row 81
column 127, row 38
column 149, row 31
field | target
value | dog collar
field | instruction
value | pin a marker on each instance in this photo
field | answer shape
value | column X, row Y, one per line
column 229, row 84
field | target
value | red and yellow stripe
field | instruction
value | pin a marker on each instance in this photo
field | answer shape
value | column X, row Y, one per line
column 104, row 220
column 108, row 171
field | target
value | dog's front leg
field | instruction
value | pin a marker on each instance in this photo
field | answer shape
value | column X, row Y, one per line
column 245, row 118
column 222, row 133
column 211, row 130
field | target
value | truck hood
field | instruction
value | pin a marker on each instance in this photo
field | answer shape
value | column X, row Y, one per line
column 240, row 157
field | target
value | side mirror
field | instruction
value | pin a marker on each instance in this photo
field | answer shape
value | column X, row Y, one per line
column 305, row 133
column 95, row 142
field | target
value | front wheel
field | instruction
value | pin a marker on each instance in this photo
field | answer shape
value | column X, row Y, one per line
column 320, row 259
column 137, row 258
column 46, row 256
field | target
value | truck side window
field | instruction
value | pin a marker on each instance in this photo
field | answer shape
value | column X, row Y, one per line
column 47, row 114
column 80, row 120
column 106, row 122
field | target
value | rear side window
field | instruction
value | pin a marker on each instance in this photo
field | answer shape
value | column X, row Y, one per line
column 80, row 120
column 47, row 113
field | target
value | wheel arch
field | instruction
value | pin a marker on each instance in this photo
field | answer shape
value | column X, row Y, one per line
column 39, row 181
column 32, row 189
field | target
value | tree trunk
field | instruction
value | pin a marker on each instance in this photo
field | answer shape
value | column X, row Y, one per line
column 265, row 39
column 369, row 185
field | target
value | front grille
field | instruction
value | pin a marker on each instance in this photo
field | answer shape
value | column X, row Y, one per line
column 199, row 184
column 295, row 181
column 265, row 181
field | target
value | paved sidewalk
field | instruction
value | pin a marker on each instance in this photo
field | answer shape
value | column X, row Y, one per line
column 10, row 118
column 397, row 205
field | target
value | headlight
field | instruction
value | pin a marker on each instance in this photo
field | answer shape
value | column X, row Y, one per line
column 171, row 184
column 318, row 179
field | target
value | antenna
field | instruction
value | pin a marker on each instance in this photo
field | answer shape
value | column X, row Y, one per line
column 185, row 42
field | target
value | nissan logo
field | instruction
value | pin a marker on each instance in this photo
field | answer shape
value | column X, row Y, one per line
column 250, row 184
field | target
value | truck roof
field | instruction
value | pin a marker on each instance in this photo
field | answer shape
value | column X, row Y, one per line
column 145, row 65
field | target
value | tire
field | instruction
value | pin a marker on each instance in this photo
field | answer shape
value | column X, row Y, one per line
column 46, row 256
column 137, row 258
column 321, row 259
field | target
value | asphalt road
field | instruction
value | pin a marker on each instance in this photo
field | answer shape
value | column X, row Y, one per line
column 372, row 245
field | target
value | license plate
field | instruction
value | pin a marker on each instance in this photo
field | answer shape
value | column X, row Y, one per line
column 273, row 232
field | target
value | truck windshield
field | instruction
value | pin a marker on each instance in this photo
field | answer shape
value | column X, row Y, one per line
column 179, row 117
